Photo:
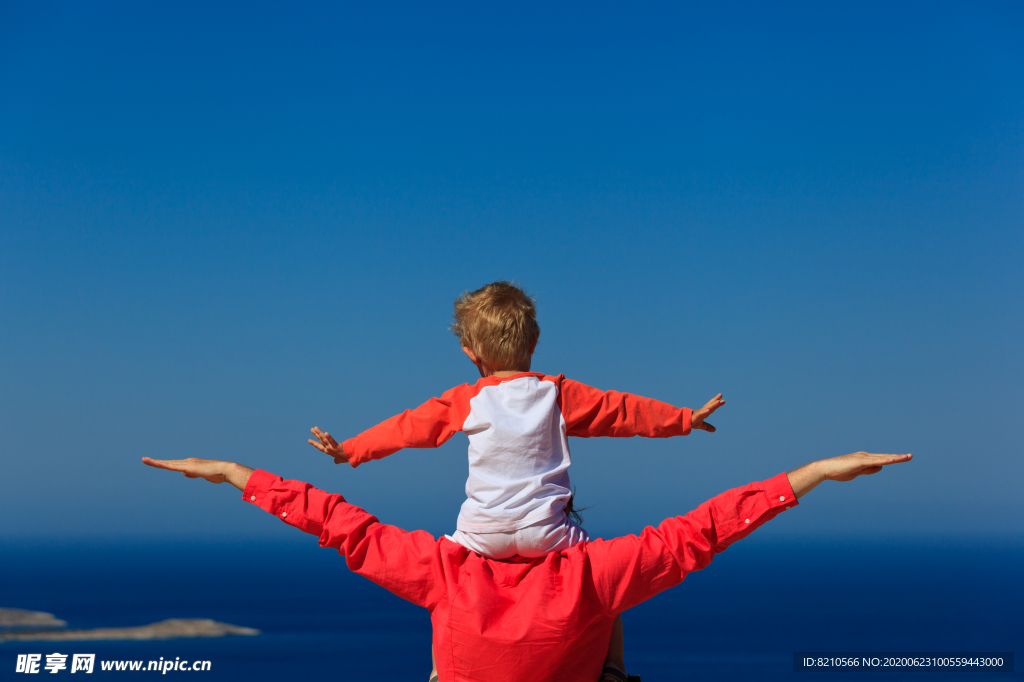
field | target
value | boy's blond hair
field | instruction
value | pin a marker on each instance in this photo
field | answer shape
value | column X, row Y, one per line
column 498, row 322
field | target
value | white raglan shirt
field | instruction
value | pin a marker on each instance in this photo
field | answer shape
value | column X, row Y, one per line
column 518, row 430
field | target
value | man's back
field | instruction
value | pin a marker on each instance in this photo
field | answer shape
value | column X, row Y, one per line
column 514, row 620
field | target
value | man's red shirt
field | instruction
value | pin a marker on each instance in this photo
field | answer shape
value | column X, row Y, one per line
column 547, row 618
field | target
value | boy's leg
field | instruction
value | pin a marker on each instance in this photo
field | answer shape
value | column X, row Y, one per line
column 616, row 657
column 433, row 666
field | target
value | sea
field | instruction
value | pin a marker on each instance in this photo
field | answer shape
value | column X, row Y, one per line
column 742, row 618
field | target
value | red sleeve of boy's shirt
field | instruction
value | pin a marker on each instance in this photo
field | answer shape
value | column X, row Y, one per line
column 399, row 561
column 629, row 570
column 427, row 426
column 591, row 412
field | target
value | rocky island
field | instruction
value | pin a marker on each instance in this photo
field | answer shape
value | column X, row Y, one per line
column 23, row 625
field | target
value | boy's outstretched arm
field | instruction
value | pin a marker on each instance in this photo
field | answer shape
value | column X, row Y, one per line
column 427, row 426
column 590, row 412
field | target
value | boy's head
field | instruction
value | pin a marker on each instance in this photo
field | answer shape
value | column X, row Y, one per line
column 497, row 325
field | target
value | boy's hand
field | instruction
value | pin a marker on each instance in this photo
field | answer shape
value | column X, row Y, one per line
column 325, row 443
column 698, row 417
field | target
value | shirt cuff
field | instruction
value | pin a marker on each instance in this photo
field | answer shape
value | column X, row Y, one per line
column 780, row 493
column 687, row 421
column 257, row 490
column 349, row 448
column 756, row 505
column 287, row 500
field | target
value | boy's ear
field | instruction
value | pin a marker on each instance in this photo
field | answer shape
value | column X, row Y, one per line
column 472, row 356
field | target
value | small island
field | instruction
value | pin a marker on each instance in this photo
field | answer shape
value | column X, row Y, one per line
column 24, row 625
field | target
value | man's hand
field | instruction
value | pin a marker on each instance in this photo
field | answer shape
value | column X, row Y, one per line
column 698, row 417
column 324, row 443
column 212, row 470
column 845, row 468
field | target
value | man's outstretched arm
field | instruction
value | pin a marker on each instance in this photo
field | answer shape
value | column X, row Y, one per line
column 401, row 562
column 629, row 570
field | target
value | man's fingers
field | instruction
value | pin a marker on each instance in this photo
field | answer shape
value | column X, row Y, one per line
column 170, row 465
column 849, row 467
column 887, row 459
column 191, row 468
column 707, row 427
column 316, row 444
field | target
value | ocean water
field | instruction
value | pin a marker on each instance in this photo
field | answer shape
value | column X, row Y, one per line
column 740, row 619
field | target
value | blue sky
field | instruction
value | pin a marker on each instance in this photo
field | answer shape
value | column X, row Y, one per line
column 220, row 226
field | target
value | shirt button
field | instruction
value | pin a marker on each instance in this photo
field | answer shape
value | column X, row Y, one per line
column 253, row 498
column 747, row 521
column 782, row 498
column 284, row 514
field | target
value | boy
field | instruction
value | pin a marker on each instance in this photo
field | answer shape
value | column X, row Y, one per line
column 518, row 423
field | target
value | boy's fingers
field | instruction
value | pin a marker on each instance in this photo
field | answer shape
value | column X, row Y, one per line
column 707, row 427
column 712, row 405
column 325, row 438
column 316, row 444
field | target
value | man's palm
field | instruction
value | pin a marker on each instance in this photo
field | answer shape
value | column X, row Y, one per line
column 210, row 469
column 849, row 467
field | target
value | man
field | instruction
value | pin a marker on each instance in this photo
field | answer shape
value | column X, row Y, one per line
column 547, row 618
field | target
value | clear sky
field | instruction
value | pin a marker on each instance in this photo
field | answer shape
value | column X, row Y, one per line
column 222, row 225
